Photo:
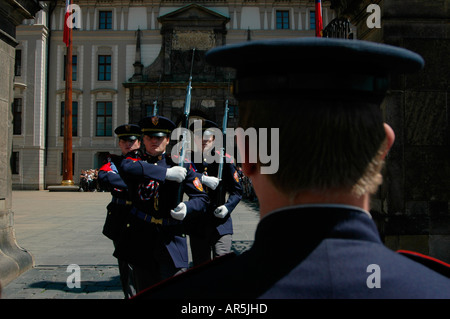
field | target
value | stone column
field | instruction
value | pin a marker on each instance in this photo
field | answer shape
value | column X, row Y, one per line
column 13, row 259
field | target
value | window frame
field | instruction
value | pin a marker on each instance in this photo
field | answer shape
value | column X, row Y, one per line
column 285, row 23
column 233, row 111
column 103, row 17
column 103, row 72
column 17, row 116
column 18, row 63
column 107, row 119
column 312, row 20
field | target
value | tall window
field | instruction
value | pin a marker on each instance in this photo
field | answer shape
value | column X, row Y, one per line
column 74, row 118
column 104, row 119
column 105, row 20
column 233, row 111
column 17, row 117
column 283, row 19
column 312, row 20
column 15, row 160
column 74, row 67
column 104, row 68
column 18, row 63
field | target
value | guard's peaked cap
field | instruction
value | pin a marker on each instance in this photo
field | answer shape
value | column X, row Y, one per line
column 156, row 126
column 128, row 132
column 289, row 66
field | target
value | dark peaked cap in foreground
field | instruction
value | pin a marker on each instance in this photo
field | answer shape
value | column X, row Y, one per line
column 286, row 66
column 156, row 126
column 128, row 132
column 206, row 124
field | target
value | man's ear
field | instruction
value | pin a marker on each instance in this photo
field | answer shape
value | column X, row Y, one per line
column 249, row 169
column 390, row 138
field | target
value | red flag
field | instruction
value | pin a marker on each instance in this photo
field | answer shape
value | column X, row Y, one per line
column 319, row 24
column 66, row 33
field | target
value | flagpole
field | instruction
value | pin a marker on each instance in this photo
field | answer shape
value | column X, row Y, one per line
column 67, row 151
column 318, row 17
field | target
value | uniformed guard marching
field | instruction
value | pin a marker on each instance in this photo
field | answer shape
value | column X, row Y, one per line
column 316, row 237
column 118, row 210
column 156, row 245
column 108, row 176
column 211, row 235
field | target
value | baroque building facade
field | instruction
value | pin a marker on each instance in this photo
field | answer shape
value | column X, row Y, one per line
column 126, row 56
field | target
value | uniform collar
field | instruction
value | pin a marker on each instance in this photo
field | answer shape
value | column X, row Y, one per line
column 315, row 222
column 342, row 206
column 154, row 159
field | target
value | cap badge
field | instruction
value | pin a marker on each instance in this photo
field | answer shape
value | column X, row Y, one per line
column 155, row 120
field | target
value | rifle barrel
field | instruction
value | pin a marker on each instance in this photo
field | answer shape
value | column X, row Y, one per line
column 187, row 110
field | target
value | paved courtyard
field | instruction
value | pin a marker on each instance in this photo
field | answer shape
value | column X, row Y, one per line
column 60, row 229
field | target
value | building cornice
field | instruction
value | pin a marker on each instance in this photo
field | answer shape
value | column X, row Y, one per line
column 104, row 90
column 176, row 85
column 74, row 90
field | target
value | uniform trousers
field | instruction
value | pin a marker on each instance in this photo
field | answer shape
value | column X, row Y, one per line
column 124, row 276
column 158, row 268
column 213, row 243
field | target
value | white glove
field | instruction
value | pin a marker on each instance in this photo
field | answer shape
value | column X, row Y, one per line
column 176, row 174
column 179, row 212
column 210, row 181
column 221, row 211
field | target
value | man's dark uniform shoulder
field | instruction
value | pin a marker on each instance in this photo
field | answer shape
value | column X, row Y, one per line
column 196, row 283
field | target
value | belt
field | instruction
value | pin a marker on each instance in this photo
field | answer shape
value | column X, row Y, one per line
column 150, row 219
column 121, row 201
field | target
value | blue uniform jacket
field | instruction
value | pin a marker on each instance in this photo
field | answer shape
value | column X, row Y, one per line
column 310, row 252
column 120, row 205
column 231, row 184
column 153, row 199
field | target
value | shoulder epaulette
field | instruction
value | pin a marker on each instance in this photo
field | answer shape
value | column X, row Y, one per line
column 433, row 263
column 229, row 158
column 106, row 167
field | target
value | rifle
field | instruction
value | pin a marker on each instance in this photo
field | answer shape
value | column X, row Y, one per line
column 155, row 102
column 187, row 110
column 224, row 134
column 220, row 199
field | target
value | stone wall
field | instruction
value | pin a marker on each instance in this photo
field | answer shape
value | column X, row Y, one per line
column 13, row 259
column 413, row 204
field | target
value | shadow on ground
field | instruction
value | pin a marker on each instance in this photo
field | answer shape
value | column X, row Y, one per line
column 85, row 286
column 113, row 283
